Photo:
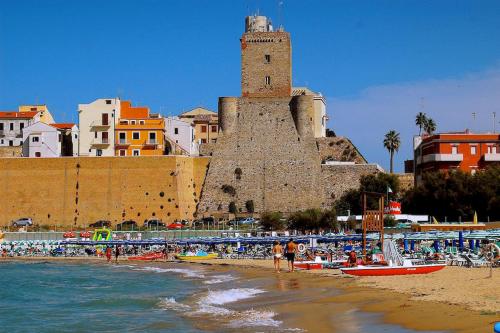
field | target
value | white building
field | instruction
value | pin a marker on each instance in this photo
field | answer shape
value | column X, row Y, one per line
column 180, row 138
column 12, row 124
column 97, row 122
column 54, row 140
column 320, row 117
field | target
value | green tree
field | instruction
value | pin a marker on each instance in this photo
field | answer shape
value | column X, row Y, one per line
column 430, row 126
column 272, row 221
column 232, row 207
column 250, row 206
column 420, row 121
column 392, row 143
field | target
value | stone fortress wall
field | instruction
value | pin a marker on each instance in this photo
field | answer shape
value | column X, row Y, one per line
column 78, row 191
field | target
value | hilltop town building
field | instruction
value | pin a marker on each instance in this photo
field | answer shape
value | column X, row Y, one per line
column 464, row 151
column 267, row 152
column 139, row 132
column 97, row 127
column 205, row 122
column 180, row 138
column 12, row 123
column 54, row 140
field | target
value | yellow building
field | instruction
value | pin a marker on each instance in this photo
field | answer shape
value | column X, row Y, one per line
column 139, row 133
column 45, row 115
column 206, row 124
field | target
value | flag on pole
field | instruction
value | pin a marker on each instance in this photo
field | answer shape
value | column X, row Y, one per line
column 389, row 190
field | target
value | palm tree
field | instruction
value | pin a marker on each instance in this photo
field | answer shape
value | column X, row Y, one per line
column 420, row 121
column 392, row 143
column 430, row 126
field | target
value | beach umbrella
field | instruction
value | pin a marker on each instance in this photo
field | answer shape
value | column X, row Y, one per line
column 461, row 240
column 471, row 244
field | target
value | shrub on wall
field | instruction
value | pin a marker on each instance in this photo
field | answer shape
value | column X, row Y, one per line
column 232, row 207
column 229, row 190
column 250, row 206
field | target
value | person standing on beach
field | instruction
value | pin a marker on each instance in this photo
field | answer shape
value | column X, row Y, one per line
column 291, row 249
column 108, row 253
column 277, row 253
column 117, row 253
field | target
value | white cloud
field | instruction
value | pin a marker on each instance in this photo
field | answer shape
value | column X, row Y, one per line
column 450, row 102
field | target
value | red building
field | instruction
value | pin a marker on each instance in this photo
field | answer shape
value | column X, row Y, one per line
column 450, row 151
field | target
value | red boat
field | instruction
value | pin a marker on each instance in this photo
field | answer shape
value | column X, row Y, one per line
column 308, row 265
column 392, row 270
column 148, row 256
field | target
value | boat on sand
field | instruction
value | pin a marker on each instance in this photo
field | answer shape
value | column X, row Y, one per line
column 148, row 256
column 377, row 270
column 199, row 255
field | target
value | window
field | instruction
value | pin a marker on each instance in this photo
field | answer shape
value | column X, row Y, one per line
column 473, row 150
column 32, row 109
column 136, row 152
column 11, row 126
column 60, row 137
column 21, row 126
column 38, row 154
column 35, row 139
column 11, row 143
column 132, row 122
column 95, row 135
column 214, row 128
column 268, row 58
column 493, row 149
column 1, row 126
column 141, row 122
column 176, row 130
column 214, row 140
column 203, row 129
column 123, row 152
column 203, row 140
column 454, row 149
column 123, row 122
column 123, row 138
column 136, row 135
column 104, row 119
column 104, row 137
column 108, row 101
column 98, row 152
column 76, row 136
column 1, row 141
column 152, row 137
column 268, row 80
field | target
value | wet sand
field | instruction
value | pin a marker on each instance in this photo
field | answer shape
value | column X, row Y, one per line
column 454, row 299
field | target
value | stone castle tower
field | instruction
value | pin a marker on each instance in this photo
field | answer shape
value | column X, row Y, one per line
column 266, row 151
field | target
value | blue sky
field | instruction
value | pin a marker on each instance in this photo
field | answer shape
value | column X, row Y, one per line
column 377, row 62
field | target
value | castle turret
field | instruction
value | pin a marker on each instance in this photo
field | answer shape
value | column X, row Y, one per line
column 266, row 60
column 302, row 108
column 228, row 108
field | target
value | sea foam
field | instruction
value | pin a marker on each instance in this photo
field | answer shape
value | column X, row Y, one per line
column 214, row 279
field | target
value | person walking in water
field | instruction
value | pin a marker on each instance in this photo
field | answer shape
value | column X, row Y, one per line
column 117, row 253
column 277, row 254
column 108, row 253
column 291, row 249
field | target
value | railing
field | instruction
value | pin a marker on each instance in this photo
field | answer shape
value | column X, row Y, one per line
column 98, row 123
column 100, row 142
column 152, row 142
column 123, row 142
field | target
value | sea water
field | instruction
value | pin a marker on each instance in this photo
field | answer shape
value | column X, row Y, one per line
column 83, row 297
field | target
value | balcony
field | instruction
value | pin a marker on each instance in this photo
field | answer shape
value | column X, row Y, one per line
column 98, row 124
column 151, row 144
column 122, row 143
column 492, row 157
column 443, row 158
column 100, row 143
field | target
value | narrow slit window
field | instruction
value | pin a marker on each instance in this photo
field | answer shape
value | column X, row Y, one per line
column 268, row 58
column 268, row 80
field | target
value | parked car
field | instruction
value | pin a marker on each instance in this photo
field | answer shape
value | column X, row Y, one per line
column 247, row 220
column 129, row 224
column 175, row 226
column 23, row 222
column 154, row 223
column 100, row 224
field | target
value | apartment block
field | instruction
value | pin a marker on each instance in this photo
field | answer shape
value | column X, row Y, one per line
column 180, row 137
column 464, row 151
column 139, row 132
column 205, row 122
column 97, row 122
column 54, row 140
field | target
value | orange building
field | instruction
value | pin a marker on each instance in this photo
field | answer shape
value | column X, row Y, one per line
column 451, row 151
column 138, row 132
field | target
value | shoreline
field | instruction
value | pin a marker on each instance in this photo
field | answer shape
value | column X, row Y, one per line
column 401, row 300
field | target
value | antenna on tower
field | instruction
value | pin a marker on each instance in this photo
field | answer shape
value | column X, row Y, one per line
column 280, row 14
